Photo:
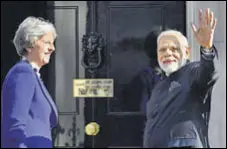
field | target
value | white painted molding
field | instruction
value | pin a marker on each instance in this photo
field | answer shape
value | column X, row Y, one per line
column 192, row 17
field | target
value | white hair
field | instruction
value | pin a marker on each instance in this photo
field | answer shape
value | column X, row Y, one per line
column 183, row 40
column 183, row 43
column 30, row 30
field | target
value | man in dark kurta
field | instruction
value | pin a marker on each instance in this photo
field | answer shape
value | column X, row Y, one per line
column 178, row 110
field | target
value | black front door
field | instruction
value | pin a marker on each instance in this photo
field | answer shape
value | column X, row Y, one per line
column 124, row 26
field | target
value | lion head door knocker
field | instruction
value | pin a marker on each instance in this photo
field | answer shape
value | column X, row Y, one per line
column 93, row 44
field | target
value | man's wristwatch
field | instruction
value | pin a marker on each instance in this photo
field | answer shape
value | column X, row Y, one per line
column 207, row 50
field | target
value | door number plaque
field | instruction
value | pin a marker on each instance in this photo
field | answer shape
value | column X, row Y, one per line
column 92, row 88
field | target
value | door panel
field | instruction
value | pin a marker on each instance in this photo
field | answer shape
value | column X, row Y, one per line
column 69, row 19
column 125, row 26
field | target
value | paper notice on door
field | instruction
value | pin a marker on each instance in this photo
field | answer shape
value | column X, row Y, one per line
column 93, row 88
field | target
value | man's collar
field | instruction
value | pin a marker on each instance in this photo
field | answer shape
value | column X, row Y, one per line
column 187, row 61
column 176, row 74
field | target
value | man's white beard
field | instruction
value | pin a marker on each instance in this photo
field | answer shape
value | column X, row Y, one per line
column 173, row 66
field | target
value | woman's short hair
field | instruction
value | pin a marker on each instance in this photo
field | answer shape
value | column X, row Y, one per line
column 30, row 30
